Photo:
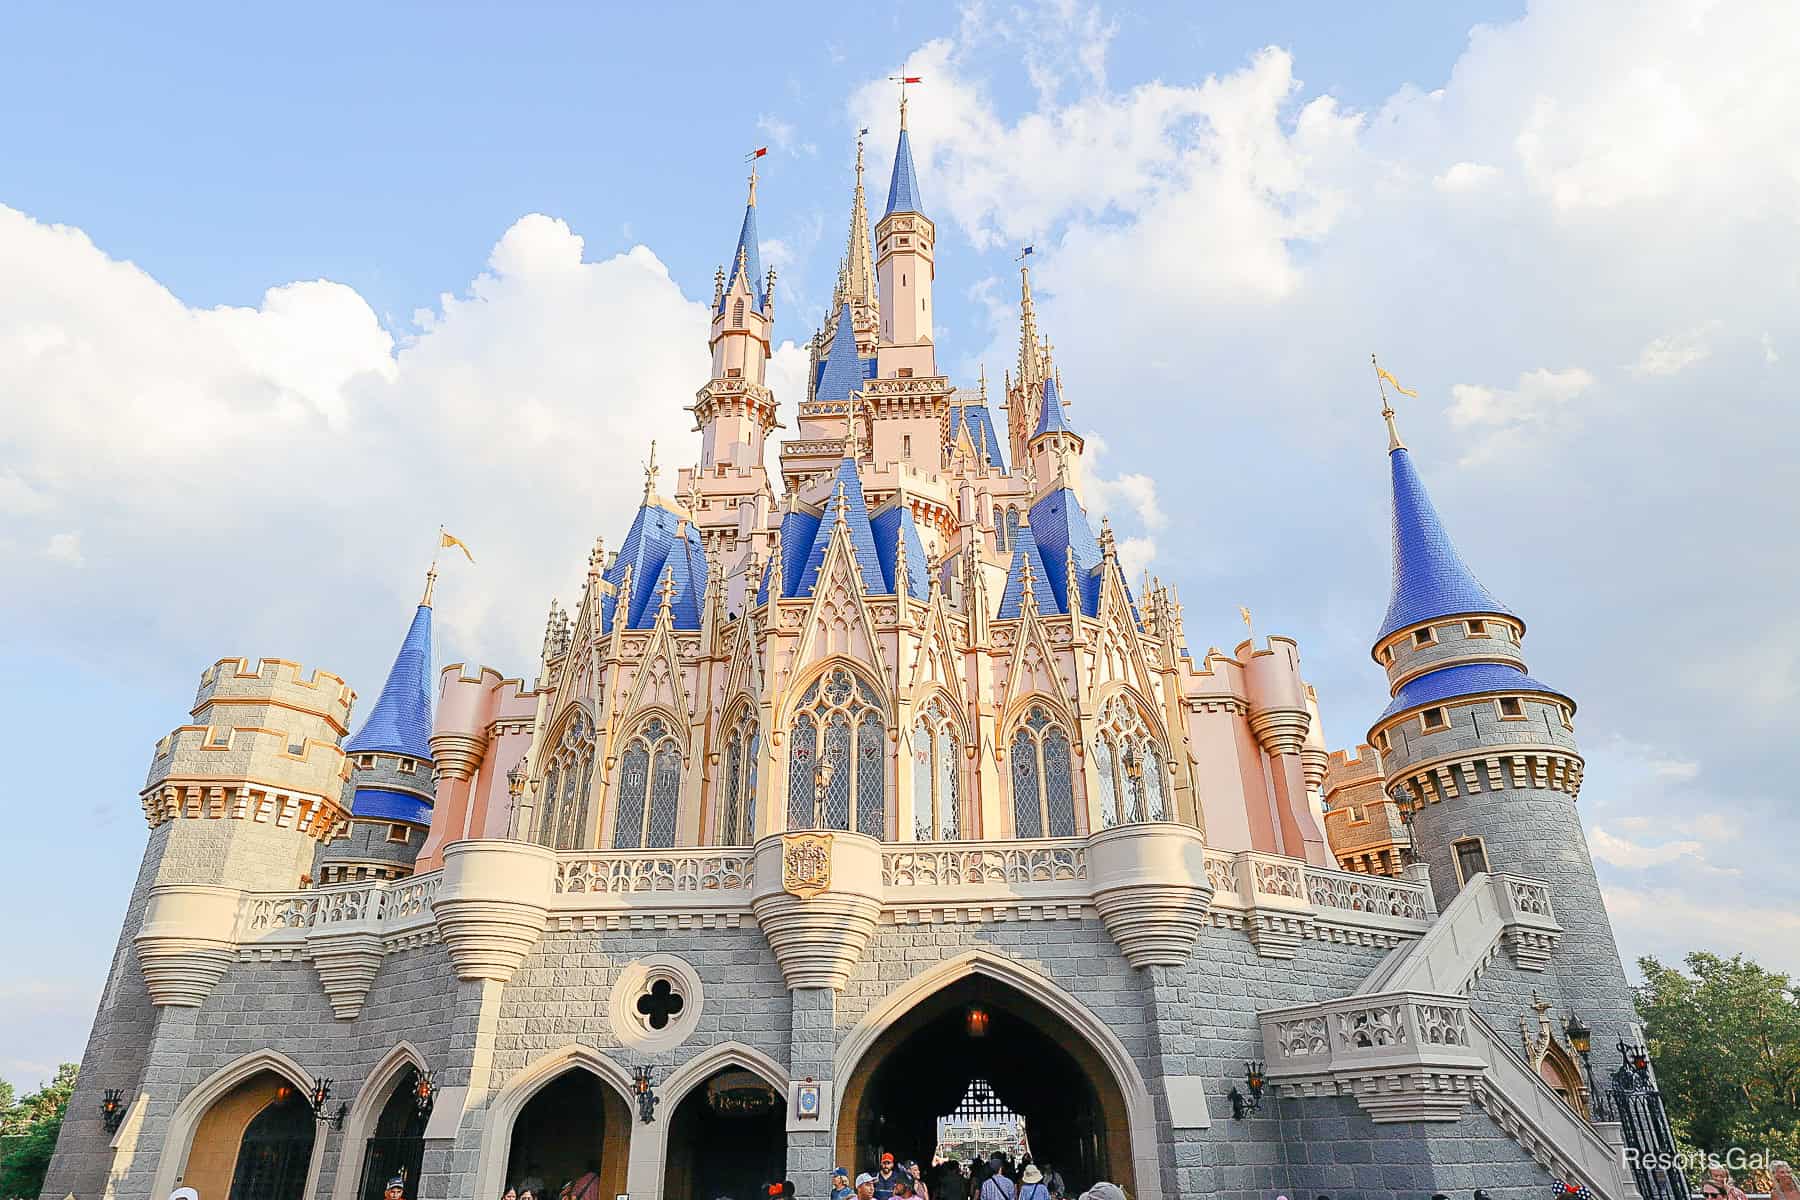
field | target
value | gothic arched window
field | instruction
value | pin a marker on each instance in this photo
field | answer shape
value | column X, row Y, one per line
column 937, row 795
column 562, row 817
column 737, row 783
column 649, row 789
column 1043, row 783
column 1129, row 766
column 837, row 778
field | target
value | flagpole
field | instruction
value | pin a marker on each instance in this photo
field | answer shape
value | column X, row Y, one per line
column 1387, row 407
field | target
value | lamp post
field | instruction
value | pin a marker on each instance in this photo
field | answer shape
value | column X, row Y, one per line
column 1581, row 1039
column 515, row 787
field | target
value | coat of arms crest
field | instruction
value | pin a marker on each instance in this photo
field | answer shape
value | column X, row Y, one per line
column 805, row 863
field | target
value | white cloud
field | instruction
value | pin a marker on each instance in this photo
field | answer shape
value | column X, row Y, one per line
column 1768, row 348
column 1669, row 922
column 299, row 442
column 1466, row 177
column 1621, row 852
column 64, row 548
column 1677, row 351
column 1505, row 419
column 783, row 137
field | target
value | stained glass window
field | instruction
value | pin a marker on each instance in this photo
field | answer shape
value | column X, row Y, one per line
column 649, row 804
column 937, row 795
column 562, row 811
column 836, row 757
column 1043, row 787
column 1129, row 766
column 737, row 800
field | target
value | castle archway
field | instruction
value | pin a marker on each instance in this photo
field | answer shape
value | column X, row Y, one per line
column 984, row 1028
column 727, row 1136
column 245, row 1132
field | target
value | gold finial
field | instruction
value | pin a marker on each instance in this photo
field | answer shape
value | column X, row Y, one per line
column 1382, row 379
column 597, row 558
column 430, row 583
column 984, row 383
column 903, row 108
column 753, row 186
column 1249, row 629
column 650, row 473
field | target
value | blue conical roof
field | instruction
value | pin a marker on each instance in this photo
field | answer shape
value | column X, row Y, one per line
column 751, row 257
column 1430, row 578
column 400, row 722
column 903, row 189
column 862, row 537
column 1058, row 525
column 1050, row 420
column 843, row 371
column 660, row 542
column 1026, row 559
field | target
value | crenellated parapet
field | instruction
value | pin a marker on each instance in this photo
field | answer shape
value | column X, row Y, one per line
column 262, row 747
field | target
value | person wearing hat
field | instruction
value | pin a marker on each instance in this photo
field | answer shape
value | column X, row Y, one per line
column 1031, row 1184
column 865, row 1186
column 840, row 1184
column 396, row 1189
column 997, row 1186
column 920, row 1189
column 887, row 1180
column 1104, row 1191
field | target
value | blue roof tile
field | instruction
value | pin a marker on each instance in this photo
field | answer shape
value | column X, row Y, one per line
column 862, row 538
column 400, row 722
column 1051, row 419
column 386, row 804
column 842, row 371
column 1430, row 578
column 749, row 252
column 982, row 435
column 1057, row 525
column 903, row 189
column 658, row 543
column 1466, row 679
column 1026, row 557
column 889, row 526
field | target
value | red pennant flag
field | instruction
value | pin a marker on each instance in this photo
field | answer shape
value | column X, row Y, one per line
column 911, row 79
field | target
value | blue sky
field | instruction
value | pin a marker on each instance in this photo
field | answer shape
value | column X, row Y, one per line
column 344, row 324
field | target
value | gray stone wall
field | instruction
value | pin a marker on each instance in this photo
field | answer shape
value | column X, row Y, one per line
column 560, row 996
column 1330, row 1147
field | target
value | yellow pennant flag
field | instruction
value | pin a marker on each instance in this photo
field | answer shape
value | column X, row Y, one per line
column 1383, row 372
column 1244, row 613
column 449, row 539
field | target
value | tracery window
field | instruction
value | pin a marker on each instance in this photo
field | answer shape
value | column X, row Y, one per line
column 1042, row 778
column 649, row 788
column 836, row 773
column 937, row 794
column 737, row 783
column 1129, row 766
column 562, row 817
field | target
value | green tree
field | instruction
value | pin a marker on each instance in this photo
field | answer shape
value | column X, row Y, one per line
column 31, row 1126
column 1725, row 1037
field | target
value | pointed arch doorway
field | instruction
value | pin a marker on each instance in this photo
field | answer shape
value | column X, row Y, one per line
column 397, row 1145
column 921, row 1065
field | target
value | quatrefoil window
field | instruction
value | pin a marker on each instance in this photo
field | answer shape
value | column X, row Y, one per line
column 661, row 1003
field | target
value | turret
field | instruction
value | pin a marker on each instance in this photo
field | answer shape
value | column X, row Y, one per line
column 856, row 274
column 1479, row 755
column 735, row 410
column 1055, row 447
column 391, row 789
column 904, row 245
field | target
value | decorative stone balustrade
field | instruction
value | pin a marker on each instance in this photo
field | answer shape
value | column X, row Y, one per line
column 714, row 873
column 1281, row 900
column 1404, row 1056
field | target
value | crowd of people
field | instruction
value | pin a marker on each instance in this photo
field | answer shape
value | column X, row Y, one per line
column 996, row 1177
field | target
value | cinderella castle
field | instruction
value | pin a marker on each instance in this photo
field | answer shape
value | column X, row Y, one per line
column 851, row 800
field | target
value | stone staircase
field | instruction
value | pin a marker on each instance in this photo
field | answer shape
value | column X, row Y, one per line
column 1406, row 1045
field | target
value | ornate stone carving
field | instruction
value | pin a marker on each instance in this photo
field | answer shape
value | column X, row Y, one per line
column 805, row 864
column 1011, row 864
column 630, row 872
column 1151, row 890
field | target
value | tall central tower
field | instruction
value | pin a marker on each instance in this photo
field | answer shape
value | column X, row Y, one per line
column 904, row 267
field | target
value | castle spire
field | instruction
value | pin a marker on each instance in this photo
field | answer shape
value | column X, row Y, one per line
column 746, row 260
column 650, row 473
column 1430, row 578
column 903, row 187
column 859, row 265
column 400, row 722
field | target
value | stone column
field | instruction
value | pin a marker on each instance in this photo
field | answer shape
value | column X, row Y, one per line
column 1177, row 1087
column 812, row 1142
